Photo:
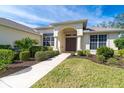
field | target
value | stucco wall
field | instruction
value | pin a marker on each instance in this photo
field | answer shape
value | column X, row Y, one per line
column 110, row 40
column 9, row 35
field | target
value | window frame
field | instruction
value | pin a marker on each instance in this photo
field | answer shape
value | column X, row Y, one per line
column 98, row 42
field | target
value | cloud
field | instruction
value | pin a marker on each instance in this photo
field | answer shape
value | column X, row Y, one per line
column 43, row 15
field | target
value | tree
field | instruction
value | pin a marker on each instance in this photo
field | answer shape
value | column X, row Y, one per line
column 119, row 43
column 25, row 43
column 118, row 22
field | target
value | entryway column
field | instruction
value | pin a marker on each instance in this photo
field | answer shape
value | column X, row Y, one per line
column 55, row 40
column 55, row 43
column 79, row 37
column 79, row 43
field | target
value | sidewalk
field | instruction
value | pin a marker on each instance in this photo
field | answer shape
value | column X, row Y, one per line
column 27, row 77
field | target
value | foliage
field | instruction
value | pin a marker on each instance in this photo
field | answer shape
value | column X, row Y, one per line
column 118, row 22
column 121, row 52
column 24, row 55
column 25, row 43
column 73, row 53
column 16, row 55
column 34, row 49
column 112, row 61
column 41, row 55
column 106, row 52
column 5, row 47
column 119, row 43
column 83, row 52
column 6, row 57
column 100, row 59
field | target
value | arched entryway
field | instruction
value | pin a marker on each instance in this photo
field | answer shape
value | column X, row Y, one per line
column 67, row 40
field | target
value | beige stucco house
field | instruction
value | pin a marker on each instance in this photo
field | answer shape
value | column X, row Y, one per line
column 64, row 36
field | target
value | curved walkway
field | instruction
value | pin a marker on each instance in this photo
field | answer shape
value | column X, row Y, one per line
column 26, row 78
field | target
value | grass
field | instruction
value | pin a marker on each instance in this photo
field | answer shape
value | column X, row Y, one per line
column 77, row 73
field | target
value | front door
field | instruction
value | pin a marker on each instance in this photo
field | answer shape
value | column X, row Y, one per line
column 71, row 44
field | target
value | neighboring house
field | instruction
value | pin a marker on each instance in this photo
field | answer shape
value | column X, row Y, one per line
column 64, row 36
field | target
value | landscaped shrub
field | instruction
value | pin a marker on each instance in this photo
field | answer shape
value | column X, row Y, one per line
column 86, row 52
column 119, row 43
column 34, row 49
column 50, row 48
column 121, row 52
column 24, row 55
column 83, row 52
column 25, row 43
column 41, row 55
column 100, row 59
column 16, row 56
column 80, row 53
column 106, row 52
column 56, row 53
column 112, row 61
column 5, row 47
column 6, row 57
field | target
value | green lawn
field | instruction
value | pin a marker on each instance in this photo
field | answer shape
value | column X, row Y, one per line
column 77, row 72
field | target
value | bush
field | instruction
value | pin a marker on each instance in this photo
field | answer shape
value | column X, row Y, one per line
column 16, row 56
column 24, row 55
column 121, row 52
column 5, row 47
column 56, row 53
column 41, row 55
column 6, row 57
column 72, row 53
column 25, row 43
column 83, row 53
column 119, row 43
column 112, row 61
column 34, row 49
column 100, row 59
column 106, row 52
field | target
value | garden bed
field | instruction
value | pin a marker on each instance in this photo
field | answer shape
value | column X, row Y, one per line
column 16, row 66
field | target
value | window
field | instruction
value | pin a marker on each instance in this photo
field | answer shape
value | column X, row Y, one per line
column 48, row 39
column 97, row 41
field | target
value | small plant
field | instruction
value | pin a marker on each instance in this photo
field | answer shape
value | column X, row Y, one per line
column 56, row 53
column 121, row 52
column 24, row 55
column 80, row 53
column 87, row 52
column 106, row 52
column 16, row 56
column 101, row 59
column 83, row 52
column 41, row 55
column 112, row 61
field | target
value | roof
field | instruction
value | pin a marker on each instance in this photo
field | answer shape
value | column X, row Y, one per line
column 51, row 26
column 12, row 24
column 101, row 29
column 104, row 29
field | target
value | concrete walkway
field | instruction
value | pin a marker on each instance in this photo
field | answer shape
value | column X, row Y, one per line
column 27, row 77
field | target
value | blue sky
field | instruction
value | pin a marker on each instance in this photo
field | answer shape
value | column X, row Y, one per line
column 35, row 16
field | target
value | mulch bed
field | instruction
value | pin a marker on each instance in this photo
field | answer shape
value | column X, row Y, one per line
column 16, row 66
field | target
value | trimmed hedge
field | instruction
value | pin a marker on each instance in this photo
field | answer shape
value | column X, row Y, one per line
column 24, row 55
column 34, row 49
column 6, row 57
column 43, row 55
column 5, row 47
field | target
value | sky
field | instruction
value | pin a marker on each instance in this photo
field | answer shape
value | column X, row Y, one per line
column 37, row 16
